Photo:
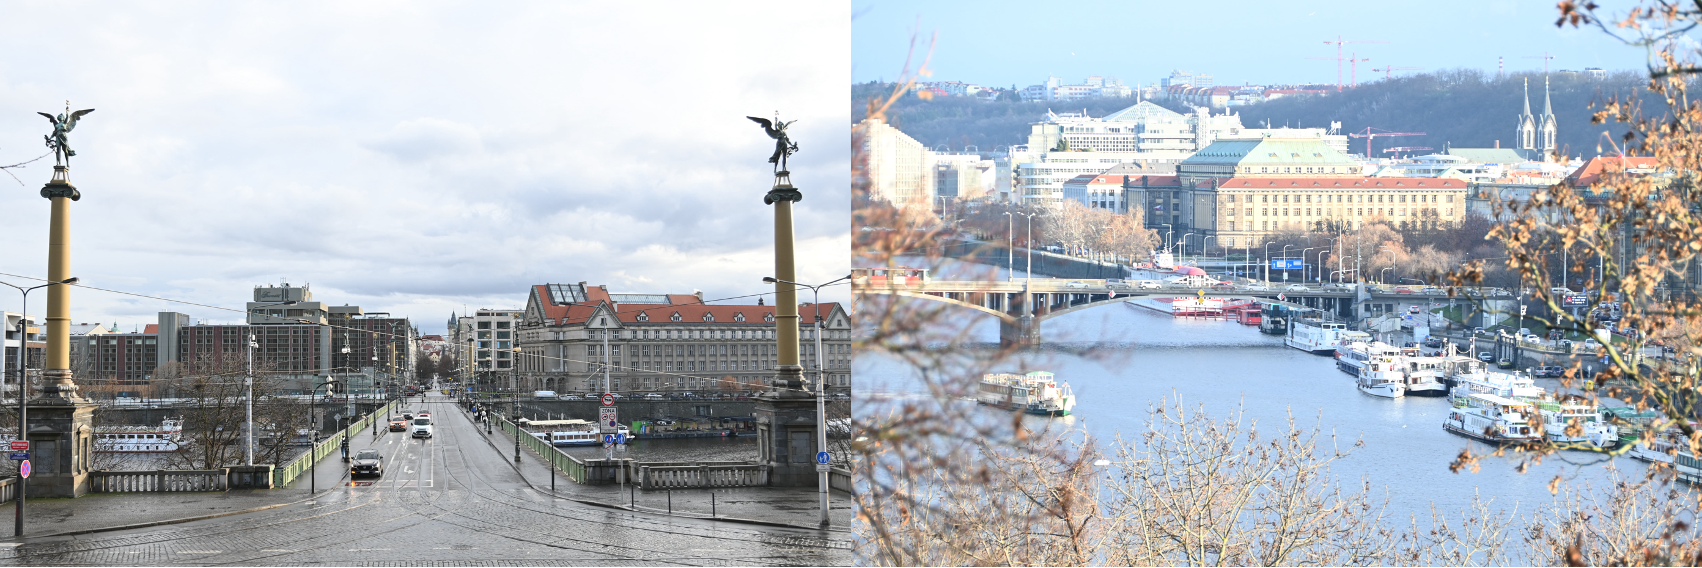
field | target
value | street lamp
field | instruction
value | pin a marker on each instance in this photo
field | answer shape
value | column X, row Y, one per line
column 1029, row 250
column 821, row 389
column 1320, row 264
column 1204, row 249
column 248, row 455
column 1167, row 232
column 1184, row 248
column 313, row 429
column 1285, row 262
column 23, row 389
column 1303, row 263
column 1268, row 262
column 1380, row 274
column 515, row 367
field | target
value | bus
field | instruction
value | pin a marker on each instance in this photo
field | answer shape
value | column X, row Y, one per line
column 897, row 275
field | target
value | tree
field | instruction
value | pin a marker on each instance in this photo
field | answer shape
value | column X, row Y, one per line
column 214, row 404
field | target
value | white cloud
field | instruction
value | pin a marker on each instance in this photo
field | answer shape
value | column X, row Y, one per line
column 412, row 157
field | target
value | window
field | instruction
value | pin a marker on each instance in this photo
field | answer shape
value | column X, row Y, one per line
column 502, row 325
column 502, row 334
column 484, row 325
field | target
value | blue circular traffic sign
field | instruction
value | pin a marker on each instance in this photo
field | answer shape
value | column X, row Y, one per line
column 821, row 458
column 24, row 469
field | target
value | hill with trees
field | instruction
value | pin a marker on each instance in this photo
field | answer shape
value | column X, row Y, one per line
column 1458, row 107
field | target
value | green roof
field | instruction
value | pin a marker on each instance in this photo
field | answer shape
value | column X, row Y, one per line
column 1141, row 113
column 1490, row 155
column 1280, row 151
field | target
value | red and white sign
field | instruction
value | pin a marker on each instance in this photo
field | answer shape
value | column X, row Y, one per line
column 20, row 445
column 606, row 417
column 24, row 469
column 608, row 399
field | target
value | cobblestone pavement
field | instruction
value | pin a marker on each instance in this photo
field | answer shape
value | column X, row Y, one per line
column 451, row 500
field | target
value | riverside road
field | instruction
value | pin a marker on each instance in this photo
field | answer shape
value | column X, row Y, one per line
column 452, row 500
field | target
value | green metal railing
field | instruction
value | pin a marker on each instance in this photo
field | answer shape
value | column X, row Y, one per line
column 569, row 467
column 287, row 473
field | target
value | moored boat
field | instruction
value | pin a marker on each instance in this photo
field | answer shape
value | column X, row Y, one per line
column 1314, row 336
column 1382, row 377
column 1558, row 416
column 1493, row 419
column 1035, row 393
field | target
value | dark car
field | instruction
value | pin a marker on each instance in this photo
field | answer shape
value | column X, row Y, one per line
column 1546, row 372
column 367, row 462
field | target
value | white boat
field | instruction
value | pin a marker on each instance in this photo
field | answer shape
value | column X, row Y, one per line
column 1458, row 368
column 1424, row 376
column 1352, row 358
column 1516, row 385
column 1493, row 419
column 1671, row 448
column 1314, row 336
column 168, row 437
column 1382, row 377
column 1559, row 415
column 570, row 432
column 1035, row 393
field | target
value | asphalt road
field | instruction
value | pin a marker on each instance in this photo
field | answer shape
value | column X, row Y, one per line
column 451, row 500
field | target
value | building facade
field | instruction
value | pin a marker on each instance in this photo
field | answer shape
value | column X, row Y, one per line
column 574, row 337
column 484, row 343
column 899, row 168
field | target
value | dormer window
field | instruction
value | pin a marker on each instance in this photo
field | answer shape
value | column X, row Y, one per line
column 708, row 317
column 739, row 317
column 675, row 317
column 768, row 317
column 643, row 316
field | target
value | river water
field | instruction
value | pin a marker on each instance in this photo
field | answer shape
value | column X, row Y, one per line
column 1141, row 357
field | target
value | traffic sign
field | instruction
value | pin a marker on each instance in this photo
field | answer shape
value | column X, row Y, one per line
column 822, row 458
column 821, row 468
column 620, row 438
column 608, row 399
column 24, row 469
column 20, row 456
column 20, row 445
column 606, row 417
column 608, row 439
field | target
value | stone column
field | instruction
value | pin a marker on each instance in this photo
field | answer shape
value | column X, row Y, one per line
column 61, row 426
column 786, row 415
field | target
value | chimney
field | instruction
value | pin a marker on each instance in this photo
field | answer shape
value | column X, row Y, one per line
column 1497, row 143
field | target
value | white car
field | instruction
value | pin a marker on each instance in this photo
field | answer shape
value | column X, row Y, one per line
column 1075, row 284
column 1298, row 287
column 1150, row 285
column 1256, row 287
column 422, row 427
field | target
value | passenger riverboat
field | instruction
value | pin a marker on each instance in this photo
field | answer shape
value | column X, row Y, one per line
column 165, row 438
column 1315, row 336
column 571, row 432
column 1514, row 385
column 1035, row 393
column 1424, row 376
column 1671, row 448
column 1493, row 419
column 1351, row 358
column 1382, row 377
column 1558, row 415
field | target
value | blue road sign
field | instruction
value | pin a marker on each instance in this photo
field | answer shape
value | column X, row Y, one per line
column 821, row 457
column 1286, row 264
column 608, row 438
column 620, row 438
column 24, row 469
column 20, row 456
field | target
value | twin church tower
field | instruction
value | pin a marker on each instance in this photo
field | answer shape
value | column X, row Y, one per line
column 1537, row 133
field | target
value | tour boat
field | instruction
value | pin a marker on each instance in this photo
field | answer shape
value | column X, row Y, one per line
column 1034, row 393
column 566, row 432
column 168, row 437
column 1424, row 376
column 1458, row 368
column 1514, row 385
column 1314, row 336
column 1351, row 358
column 1671, row 448
column 1557, row 417
column 1382, row 376
column 1493, row 419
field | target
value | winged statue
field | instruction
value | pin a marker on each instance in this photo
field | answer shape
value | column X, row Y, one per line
column 59, row 141
column 783, row 146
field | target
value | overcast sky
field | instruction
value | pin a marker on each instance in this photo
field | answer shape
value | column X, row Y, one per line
column 1003, row 43
column 414, row 157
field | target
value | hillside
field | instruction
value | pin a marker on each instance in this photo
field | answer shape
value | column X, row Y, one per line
column 1465, row 108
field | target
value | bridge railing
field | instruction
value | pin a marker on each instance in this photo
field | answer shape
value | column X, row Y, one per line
column 286, row 473
column 840, row 478
column 700, row 476
column 162, row 481
column 569, row 467
column 8, row 489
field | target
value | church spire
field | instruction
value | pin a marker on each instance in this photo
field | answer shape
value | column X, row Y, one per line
column 1547, row 109
column 1527, row 97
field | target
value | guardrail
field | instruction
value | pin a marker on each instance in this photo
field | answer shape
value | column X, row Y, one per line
column 701, row 476
column 8, row 489
column 839, row 478
column 162, row 481
column 286, row 473
column 569, row 467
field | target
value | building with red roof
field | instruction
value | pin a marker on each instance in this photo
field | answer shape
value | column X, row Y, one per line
column 664, row 343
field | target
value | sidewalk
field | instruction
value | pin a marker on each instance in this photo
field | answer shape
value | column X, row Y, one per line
column 790, row 506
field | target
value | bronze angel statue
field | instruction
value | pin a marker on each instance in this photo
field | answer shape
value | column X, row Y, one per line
column 58, row 141
column 783, row 146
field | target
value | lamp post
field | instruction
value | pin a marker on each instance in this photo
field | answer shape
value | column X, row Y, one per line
column 1268, row 262
column 1303, row 263
column 515, row 367
column 248, row 454
column 1204, row 248
column 1029, row 249
column 1285, row 262
column 821, row 389
column 1319, row 266
column 1168, row 231
column 313, row 429
column 1380, row 274
column 23, row 390
column 1183, row 250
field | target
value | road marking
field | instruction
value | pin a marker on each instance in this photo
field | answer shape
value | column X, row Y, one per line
column 367, row 549
column 199, row 551
column 275, row 550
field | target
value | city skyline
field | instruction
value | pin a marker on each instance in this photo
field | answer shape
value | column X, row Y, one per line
column 982, row 43
column 416, row 159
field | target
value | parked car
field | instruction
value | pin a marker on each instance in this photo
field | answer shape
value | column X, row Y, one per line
column 1485, row 357
column 653, row 396
column 569, row 397
column 367, row 462
column 1546, row 372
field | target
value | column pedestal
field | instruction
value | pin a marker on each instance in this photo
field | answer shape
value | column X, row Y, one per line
column 61, row 448
column 786, row 437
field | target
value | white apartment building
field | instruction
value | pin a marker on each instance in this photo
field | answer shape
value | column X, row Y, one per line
column 961, row 176
column 485, row 341
column 1095, row 86
column 899, row 168
column 1151, row 137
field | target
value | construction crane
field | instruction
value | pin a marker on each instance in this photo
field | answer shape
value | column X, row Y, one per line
column 1368, row 135
column 1544, row 57
column 1339, row 42
column 1388, row 72
column 1353, row 68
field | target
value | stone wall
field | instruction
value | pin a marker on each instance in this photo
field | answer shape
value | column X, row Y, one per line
column 629, row 410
